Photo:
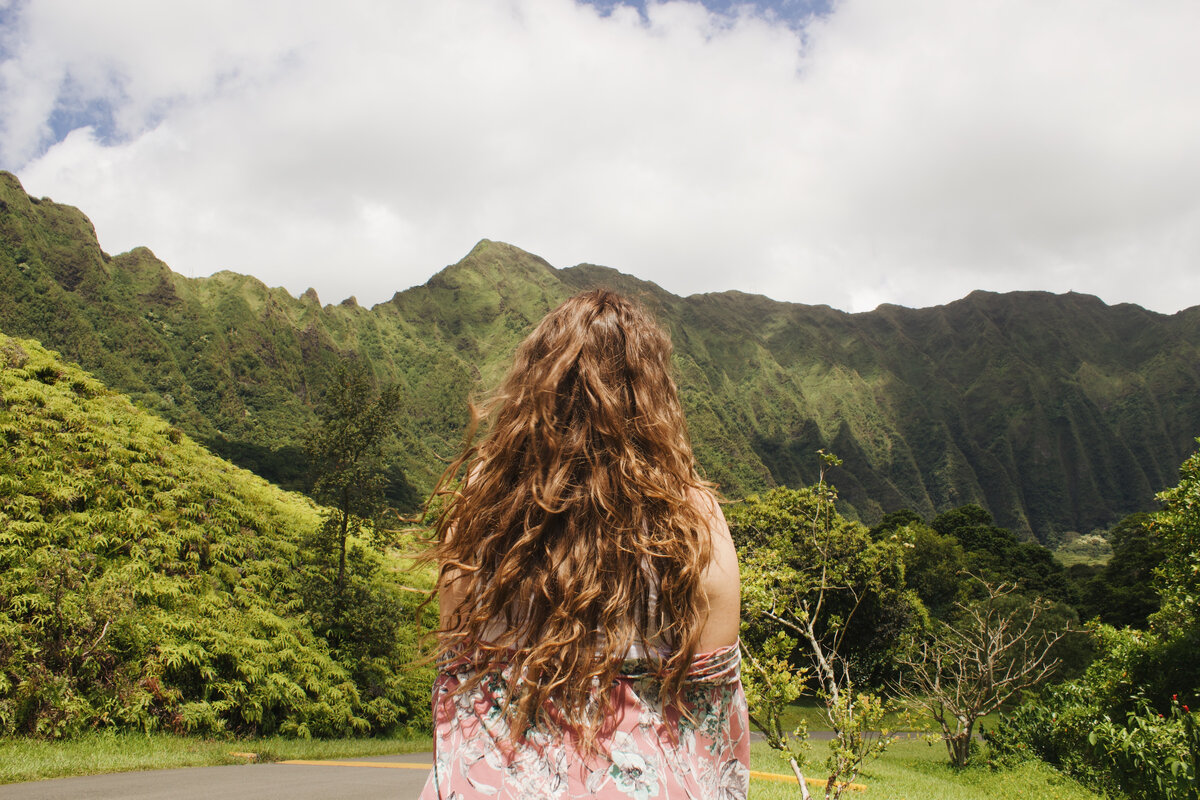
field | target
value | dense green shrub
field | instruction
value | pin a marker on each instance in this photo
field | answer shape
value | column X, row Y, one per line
column 1142, row 754
column 1151, row 754
column 145, row 583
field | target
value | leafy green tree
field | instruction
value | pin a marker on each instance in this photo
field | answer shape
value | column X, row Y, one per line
column 1178, row 525
column 998, row 556
column 972, row 526
column 1123, row 593
column 933, row 568
column 369, row 621
column 345, row 457
column 807, row 575
column 893, row 521
column 772, row 683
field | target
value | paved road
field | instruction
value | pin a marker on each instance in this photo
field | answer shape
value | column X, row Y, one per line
column 373, row 778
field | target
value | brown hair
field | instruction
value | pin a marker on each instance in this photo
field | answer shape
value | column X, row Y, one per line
column 578, row 503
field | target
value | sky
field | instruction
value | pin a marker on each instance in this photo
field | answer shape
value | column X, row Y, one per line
column 840, row 152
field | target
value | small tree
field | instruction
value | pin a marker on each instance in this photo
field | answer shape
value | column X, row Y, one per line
column 771, row 684
column 1178, row 577
column 348, row 604
column 345, row 457
column 972, row 667
column 806, row 572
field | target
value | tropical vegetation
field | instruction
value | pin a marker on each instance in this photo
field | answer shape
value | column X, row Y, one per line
column 145, row 583
column 1129, row 724
column 997, row 463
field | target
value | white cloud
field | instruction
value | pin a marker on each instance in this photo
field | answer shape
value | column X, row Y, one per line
column 893, row 152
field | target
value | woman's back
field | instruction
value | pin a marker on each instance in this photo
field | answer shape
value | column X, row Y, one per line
column 580, row 534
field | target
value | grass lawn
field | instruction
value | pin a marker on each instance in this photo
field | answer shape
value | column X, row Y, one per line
column 913, row 770
column 30, row 760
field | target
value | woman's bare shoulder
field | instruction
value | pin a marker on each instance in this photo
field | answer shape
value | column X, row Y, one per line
column 705, row 501
column 722, row 581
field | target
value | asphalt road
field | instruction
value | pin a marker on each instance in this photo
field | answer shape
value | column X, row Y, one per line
column 372, row 778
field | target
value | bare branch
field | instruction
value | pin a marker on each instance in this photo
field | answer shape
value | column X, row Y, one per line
column 971, row 669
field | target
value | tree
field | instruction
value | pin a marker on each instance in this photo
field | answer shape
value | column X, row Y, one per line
column 347, row 604
column 997, row 555
column 933, row 568
column 1178, row 525
column 369, row 622
column 807, row 572
column 1123, row 592
column 970, row 668
column 345, row 458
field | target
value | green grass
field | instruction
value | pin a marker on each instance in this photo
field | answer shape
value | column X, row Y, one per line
column 1092, row 550
column 31, row 760
column 914, row 770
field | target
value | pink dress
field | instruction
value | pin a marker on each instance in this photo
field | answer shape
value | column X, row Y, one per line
column 707, row 758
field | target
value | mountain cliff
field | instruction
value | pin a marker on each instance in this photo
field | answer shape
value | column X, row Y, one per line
column 1056, row 412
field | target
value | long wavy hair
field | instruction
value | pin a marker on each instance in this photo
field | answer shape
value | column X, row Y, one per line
column 574, row 508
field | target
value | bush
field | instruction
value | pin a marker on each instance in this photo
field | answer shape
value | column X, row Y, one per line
column 1151, row 755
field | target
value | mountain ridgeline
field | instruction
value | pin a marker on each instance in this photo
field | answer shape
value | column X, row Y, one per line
column 1055, row 412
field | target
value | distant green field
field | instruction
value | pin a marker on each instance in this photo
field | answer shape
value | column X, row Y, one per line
column 1090, row 549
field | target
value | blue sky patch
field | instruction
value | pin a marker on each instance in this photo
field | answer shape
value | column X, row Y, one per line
column 794, row 11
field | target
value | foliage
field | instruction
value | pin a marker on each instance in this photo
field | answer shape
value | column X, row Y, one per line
column 970, row 667
column 935, row 568
column 998, row 556
column 345, row 459
column 349, row 600
column 1124, row 725
column 806, row 573
column 146, row 584
column 1143, row 753
column 772, row 684
column 1123, row 592
column 1178, row 525
column 866, row 605
column 1152, row 756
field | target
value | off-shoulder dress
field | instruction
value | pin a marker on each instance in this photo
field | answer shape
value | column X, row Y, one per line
column 653, row 749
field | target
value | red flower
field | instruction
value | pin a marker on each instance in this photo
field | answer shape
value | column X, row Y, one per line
column 1185, row 710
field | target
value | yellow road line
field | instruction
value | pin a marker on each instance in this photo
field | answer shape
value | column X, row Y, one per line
column 383, row 764
column 815, row 782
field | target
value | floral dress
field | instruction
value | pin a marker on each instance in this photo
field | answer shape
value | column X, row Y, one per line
column 654, row 750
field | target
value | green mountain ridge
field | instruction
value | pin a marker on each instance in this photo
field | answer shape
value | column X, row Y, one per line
column 1055, row 412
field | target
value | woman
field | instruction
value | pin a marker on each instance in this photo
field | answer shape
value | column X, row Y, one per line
column 589, row 586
